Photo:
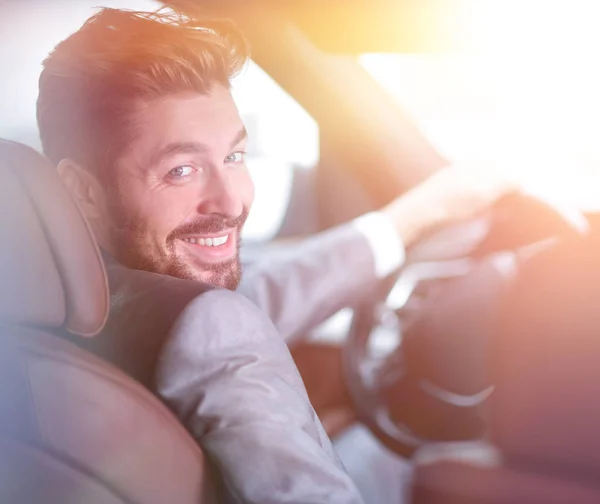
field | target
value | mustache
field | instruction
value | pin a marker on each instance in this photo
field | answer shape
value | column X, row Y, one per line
column 214, row 223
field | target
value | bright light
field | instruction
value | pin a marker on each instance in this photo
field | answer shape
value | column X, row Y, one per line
column 522, row 94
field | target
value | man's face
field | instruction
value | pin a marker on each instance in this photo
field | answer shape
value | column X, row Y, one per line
column 181, row 192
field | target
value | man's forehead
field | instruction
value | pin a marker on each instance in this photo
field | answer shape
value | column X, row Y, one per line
column 213, row 113
column 208, row 119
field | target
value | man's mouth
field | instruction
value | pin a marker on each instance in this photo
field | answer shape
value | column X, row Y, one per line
column 212, row 248
column 217, row 241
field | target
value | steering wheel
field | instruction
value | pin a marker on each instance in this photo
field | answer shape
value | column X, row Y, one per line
column 418, row 347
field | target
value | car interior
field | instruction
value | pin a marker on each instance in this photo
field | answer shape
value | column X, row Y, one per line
column 476, row 363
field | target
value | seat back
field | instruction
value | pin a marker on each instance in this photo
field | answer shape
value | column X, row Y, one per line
column 544, row 417
column 73, row 428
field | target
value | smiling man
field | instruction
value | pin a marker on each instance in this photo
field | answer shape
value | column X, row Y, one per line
column 182, row 192
column 135, row 111
column 155, row 161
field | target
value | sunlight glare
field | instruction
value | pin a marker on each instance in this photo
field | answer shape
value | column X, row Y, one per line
column 521, row 92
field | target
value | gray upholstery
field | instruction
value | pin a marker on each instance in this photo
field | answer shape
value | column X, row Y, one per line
column 73, row 428
column 544, row 415
column 47, row 250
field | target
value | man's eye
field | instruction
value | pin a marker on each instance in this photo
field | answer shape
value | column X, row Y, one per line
column 181, row 171
column 235, row 157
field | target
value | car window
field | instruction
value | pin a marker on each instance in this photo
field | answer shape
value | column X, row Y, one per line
column 537, row 115
column 283, row 138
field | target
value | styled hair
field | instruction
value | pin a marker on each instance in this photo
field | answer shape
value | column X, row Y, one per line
column 92, row 80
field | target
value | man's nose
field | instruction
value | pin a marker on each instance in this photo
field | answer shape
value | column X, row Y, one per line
column 220, row 196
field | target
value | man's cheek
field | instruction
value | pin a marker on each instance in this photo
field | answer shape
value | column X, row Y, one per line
column 245, row 189
column 156, row 222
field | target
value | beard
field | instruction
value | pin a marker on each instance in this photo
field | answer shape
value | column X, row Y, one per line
column 133, row 248
column 226, row 274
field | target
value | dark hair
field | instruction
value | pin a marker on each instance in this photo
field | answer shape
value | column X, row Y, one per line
column 92, row 80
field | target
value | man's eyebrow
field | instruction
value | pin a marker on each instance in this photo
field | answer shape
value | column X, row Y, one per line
column 241, row 135
column 177, row 148
column 190, row 148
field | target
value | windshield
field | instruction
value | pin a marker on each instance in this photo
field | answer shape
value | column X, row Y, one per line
column 524, row 96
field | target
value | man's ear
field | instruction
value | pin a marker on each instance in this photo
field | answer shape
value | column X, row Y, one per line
column 84, row 187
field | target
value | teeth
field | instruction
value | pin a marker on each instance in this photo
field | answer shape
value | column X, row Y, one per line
column 208, row 242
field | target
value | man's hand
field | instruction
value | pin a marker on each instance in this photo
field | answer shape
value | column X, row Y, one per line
column 449, row 196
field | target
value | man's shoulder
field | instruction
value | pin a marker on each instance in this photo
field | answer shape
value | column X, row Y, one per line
column 134, row 286
column 170, row 296
column 143, row 308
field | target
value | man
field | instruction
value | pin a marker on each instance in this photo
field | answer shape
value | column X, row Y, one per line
column 153, row 151
column 135, row 111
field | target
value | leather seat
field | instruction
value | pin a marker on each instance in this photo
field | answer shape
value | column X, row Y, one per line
column 544, row 415
column 73, row 428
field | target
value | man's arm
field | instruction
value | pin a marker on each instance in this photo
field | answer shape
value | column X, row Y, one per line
column 311, row 281
column 308, row 282
column 229, row 377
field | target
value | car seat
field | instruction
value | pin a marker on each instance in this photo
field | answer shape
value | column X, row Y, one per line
column 73, row 428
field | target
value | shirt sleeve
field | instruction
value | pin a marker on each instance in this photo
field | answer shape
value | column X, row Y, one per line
column 231, row 380
column 384, row 241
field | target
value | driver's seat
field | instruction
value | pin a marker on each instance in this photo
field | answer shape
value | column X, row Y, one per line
column 73, row 429
column 544, row 415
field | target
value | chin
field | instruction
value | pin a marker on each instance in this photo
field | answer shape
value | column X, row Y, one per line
column 229, row 279
column 224, row 275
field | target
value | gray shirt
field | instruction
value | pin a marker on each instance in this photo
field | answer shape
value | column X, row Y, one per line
column 218, row 361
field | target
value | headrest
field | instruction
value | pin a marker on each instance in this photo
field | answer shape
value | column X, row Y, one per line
column 546, row 362
column 51, row 271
